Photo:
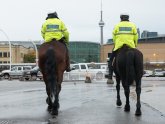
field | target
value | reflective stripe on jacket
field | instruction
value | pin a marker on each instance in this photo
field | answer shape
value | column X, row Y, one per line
column 125, row 32
column 54, row 28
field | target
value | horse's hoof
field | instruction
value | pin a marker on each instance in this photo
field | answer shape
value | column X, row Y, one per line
column 127, row 108
column 138, row 113
column 53, row 120
column 118, row 103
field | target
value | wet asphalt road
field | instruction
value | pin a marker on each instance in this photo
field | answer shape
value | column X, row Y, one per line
column 23, row 102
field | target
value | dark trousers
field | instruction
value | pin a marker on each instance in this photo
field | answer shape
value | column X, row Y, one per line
column 67, row 55
column 110, row 66
column 68, row 59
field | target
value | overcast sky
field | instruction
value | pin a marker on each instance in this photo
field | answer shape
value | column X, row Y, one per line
column 22, row 19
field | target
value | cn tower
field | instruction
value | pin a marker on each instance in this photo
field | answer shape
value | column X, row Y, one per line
column 101, row 24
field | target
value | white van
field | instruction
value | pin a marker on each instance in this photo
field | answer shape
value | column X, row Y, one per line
column 81, row 70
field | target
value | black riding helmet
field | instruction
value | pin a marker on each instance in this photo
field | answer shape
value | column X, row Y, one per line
column 52, row 15
column 124, row 17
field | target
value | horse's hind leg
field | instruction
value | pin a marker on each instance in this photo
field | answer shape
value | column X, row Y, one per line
column 138, row 92
column 48, row 100
column 127, row 92
column 56, row 104
column 118, row 102
column 59, row 89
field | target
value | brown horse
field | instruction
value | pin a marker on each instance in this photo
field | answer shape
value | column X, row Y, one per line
column 128, row 67
column 52, row 62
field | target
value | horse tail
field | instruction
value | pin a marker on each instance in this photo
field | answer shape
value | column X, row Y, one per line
column 130, row 68
column 50, row 68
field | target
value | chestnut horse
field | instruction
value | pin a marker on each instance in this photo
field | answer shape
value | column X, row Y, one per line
column 128, row 67
column 52, row 62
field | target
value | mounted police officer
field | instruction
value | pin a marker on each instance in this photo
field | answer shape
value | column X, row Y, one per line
column 125, row 32
column 54, row 28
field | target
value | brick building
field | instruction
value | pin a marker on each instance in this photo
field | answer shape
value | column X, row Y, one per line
column 153, row 50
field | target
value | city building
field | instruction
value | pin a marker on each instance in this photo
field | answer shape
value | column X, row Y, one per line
column 147, row 34
column 84, row 51
column 101, row 25
column 138, row 31
column 80, row 51
column 153, row 50
column 18, row 50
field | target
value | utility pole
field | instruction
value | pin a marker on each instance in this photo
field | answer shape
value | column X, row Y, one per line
column 9, row 46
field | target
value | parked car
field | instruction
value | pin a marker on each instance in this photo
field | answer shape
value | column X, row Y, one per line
column 159, row 72
column 15, row 72
column 148, row 73
column 1, row 75
column 32, row 74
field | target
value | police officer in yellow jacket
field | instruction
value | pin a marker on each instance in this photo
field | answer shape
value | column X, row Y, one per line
column 54, row 28
column 125, row 32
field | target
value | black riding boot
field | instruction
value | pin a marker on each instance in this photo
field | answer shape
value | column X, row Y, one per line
column 67, row 55
column 68, row 69
column 110, row 66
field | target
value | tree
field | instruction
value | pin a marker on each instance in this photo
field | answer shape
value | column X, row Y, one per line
column 29, row 58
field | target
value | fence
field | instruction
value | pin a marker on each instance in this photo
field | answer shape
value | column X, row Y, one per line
column 81, row 76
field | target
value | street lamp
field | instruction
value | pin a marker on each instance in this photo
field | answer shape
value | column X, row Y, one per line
column 155, row 56
column 36, row 51
column 9, row 44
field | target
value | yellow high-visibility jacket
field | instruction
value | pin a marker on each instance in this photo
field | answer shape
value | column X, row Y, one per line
column 54, row 28
column 125, row 32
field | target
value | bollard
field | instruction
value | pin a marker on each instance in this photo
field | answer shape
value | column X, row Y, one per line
column 88, row 78
column 10, row 78
column 21, row 78
column 109, row 81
